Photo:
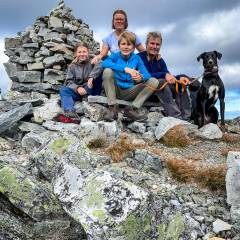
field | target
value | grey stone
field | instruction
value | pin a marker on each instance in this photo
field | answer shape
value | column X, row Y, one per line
column 98, row 200
column 61, row 48
column 56, row 59
column 12, row 42
column 62, row 149
column 167, row 123
column 35, row 66
column 137, row 127
column 30, row 45
column 55, row 22
column 58, row 126
column 153, row 118
column 72, row 40
column 94, row 111
column 43, row 31
column 28, row 195
column 44, row 52
column 29, row 127
column 219, row 226
column 36, row 138
column 233, row 178
column 11, row 69
column 54, row 76
column 52, row 35
column 29, row 76
column 48, row 111
column 70, row 27
column 144, row 160
column 28, row 87
column 8, row 119
column 210, row 131
column 25, row 58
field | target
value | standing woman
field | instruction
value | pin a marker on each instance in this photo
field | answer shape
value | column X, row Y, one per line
column 110, row 43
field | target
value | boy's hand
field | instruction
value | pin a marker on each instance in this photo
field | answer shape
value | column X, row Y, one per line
column 137, row 78
column 96, row 59
column 170, row 78
column 81, row 91
column 90, row 83
column 184, row 81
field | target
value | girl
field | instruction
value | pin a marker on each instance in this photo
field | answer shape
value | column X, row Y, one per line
column 82, row 77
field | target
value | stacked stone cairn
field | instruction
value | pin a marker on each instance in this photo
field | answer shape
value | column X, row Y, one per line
column 38, row 57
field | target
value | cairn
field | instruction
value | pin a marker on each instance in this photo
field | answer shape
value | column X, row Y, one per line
column 38, row 56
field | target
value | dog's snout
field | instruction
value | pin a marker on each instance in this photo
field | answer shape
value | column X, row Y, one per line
column 210, row 62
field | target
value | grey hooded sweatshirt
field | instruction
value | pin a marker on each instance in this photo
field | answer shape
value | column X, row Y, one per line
column 79, row 73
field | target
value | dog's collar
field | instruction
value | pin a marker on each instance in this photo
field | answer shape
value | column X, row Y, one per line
column 211, row 71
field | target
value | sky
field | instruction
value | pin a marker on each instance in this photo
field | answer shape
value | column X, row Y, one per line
column 189, row 27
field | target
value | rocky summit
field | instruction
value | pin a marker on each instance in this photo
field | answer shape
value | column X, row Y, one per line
column 162, row 179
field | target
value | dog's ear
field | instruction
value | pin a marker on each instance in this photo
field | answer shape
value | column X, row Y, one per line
column 201, row 56
column 218, row 54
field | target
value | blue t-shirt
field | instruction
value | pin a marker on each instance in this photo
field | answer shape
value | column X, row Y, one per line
column 112, row 42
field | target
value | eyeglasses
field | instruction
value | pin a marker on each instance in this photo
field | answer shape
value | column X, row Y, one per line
column 119, row 19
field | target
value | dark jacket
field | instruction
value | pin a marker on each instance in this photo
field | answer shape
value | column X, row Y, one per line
column 79, row 73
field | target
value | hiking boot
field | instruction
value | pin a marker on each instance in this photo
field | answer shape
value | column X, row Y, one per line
column 111, row 114
column 133, row 115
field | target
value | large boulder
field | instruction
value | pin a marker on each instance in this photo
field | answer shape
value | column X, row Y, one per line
column 107, row 207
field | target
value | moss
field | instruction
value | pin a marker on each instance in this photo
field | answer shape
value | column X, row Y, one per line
column 174, row 230
column 135, row 227
column 13, row 184
column 99, row 214
column 61, row 145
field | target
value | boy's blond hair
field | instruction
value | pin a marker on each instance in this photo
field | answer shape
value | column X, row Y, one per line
column 129, row 37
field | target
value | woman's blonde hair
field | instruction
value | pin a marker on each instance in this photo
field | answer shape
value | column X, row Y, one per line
column 81, row 44
column 128, row 36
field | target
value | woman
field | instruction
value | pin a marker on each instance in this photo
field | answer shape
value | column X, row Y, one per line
column 110, row 43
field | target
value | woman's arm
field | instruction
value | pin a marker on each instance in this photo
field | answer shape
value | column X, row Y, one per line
column 140, row 47
column 102, row 54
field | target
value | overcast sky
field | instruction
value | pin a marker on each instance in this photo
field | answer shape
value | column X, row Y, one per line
column 189, row 27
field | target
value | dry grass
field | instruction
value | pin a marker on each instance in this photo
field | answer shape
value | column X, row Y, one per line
column 121, row 147
column 231, row 138
column 97, row 143
column 177, row 137
column 212, row 177
column 225, row 151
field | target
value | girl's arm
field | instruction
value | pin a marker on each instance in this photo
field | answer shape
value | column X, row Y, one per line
column 71, row 79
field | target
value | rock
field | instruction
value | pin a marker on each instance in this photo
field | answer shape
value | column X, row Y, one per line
column 98, row 200
column 61, row 149
column 48, row 111
column 28, row 195
column 29, row 127
column 11, row 69
column 167, row 123
column 210, row 131
column 137, row 127
column 146, row 161
column 56, row 59
column 36, row 138
column 153, row 119
column 233, row 178
column 12, row 42
column 58, row 126
column 54, row 76
column 8, row 119
column 219, row 226
column 70, row 27
column 61, row 48
column 35, row 66
column 55, row 22
column 31, row 45
column 45, row 88
column 94, row 111
column 29, row 76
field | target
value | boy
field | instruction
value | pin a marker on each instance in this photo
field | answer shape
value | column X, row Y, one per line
column 131, row 81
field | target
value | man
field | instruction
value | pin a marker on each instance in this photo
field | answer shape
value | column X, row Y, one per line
column 170, row 87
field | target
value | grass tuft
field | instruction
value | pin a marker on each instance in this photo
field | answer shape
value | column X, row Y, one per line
column 231, row 138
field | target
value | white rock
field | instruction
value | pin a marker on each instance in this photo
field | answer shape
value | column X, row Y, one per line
column 210, row 131
column 219, row 226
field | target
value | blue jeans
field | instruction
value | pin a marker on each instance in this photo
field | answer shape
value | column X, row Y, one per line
column 68, row 98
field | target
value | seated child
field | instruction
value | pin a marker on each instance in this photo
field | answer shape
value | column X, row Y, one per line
column 130, row 81
column 82, row 79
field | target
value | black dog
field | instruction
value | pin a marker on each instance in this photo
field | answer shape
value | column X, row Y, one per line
column 210, row 91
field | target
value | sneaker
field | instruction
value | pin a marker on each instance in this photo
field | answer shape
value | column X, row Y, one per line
column 64, row 119
column 72, row 115
column 133, row 115
column 111, row 114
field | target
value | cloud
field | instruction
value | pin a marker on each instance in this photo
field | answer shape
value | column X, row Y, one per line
column 220, row 27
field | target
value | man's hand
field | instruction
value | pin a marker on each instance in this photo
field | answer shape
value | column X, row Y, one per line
column 90, row 83
column 81, row 91
column 184, row 81
column 170, row 78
